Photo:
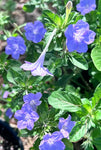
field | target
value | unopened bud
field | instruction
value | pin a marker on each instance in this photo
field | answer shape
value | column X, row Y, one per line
column 69, row 5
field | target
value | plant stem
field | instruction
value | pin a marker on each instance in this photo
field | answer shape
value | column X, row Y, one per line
column 51, row 37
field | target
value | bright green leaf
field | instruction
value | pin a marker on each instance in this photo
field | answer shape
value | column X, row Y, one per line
column 97, row 96
column 96, row 57
column 64, row 101
column 53, row 18
column 79, row 130
column 29, row 7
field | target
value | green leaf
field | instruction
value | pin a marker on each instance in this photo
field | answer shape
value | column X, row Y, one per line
column 10, row 77
column 96, row 135
column 97, row 96
column 36, row 144
column 53, row 18
column 69, row 145
column 96, row 57
column 79, row 130
column 14, row 64
column 3, row 58
column 78, row 60
column 97, row 143
column 64, row 101
column 29, row 7
column 16, row 77
column 97, row 114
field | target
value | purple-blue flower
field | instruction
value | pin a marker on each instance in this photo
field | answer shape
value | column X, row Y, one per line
column 85, row 6
column 32, row 100
column 78, row 36
column 15, row 47
column 65, row 126
column 37, row 68
column 52, row 142
column 5, row 95
column 9, row 113
column 35, row 32
column 26, row 117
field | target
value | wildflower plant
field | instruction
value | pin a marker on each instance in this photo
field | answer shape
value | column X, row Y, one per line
column 55, row 90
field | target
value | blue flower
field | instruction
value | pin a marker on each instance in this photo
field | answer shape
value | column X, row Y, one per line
column 37, row 68
column 32, row 100
column 52, row 142
column 26, row 117
column 9, row 113
column 78, row 36
column 15, row 47
column 35, row 32
column 65, row 126
column 85, row 6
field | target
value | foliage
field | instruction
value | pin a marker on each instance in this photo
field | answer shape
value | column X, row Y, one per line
column 73, row 82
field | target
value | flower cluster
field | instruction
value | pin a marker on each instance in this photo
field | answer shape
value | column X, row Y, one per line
column 53, row 141
column 34, row 32
column 15, row 47
column 28, row 115
column 37, row 68
column 78, row 36
column 85, row 6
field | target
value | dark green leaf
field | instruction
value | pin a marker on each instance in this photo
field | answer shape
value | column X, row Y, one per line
column 79, row 61
column 69, row 145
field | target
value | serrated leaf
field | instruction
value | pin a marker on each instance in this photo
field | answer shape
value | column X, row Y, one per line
column 15, row 77
column 96, row 57
column 53, row 18
column 79, row 130
column 79, row 61
column 64, row 101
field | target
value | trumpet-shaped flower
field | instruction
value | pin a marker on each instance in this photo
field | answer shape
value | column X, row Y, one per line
column 65, row 126
column 85, row 6
column 35, row 32
column 37, row 68
column 32, row 100
column 26, row 117
column 52, row 142
column 15, row 47
column 78, row 36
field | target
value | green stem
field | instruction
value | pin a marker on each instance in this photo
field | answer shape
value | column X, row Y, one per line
column 51, row 37
column 85, row 82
